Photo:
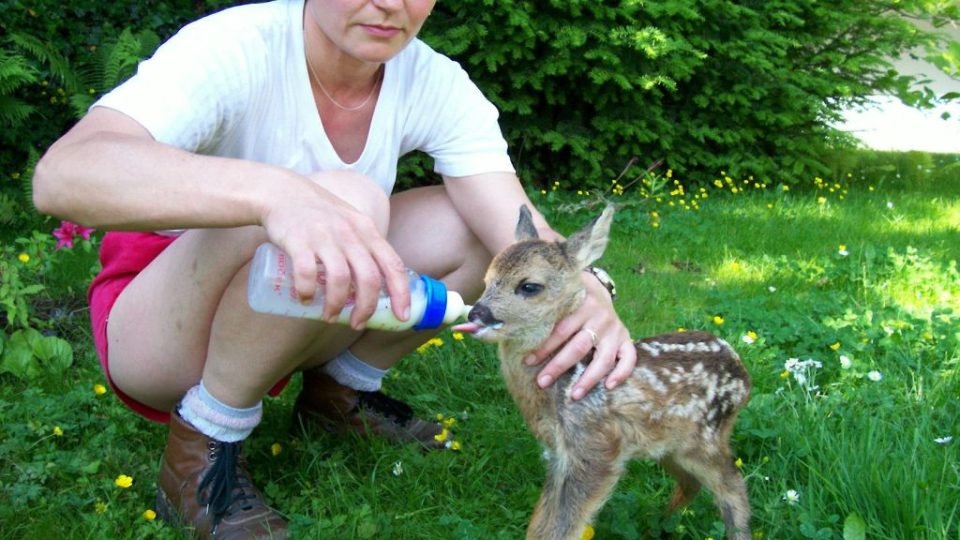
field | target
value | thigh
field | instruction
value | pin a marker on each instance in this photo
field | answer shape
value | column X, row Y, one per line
column 432, row 238
column 160, row 328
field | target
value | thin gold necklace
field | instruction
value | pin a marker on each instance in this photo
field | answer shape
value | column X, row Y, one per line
column 316, row 79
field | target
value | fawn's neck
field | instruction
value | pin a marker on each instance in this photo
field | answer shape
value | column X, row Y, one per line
column 521, row 381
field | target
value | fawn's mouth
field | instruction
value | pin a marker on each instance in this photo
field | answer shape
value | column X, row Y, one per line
column 477, row 329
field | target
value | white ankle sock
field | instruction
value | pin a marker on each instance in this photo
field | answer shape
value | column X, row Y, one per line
column 217, row 420
column 351, row 371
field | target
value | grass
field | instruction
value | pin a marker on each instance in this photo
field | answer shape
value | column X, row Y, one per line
column 857, row 451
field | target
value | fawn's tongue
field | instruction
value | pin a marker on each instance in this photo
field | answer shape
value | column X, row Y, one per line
column 466, row 328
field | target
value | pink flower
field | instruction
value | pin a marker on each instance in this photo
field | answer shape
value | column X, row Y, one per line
column 68, row 231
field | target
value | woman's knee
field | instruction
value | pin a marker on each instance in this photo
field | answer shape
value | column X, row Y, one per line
column 359, row 191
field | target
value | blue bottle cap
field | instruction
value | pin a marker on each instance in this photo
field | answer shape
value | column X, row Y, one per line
column 436, row 293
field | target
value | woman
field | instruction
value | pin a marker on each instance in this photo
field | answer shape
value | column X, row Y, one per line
column 283, row 122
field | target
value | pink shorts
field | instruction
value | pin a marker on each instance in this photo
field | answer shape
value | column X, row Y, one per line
column 123, row 255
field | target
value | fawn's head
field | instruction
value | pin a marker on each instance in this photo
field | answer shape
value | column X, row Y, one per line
column 533, row 283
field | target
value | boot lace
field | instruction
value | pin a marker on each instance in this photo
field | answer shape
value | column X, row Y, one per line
column 385, row 406
column 226, row 488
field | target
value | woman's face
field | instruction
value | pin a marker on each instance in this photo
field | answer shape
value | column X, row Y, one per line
column 370, row 30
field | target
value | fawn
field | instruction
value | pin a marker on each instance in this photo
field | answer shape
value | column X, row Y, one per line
column 678, row 407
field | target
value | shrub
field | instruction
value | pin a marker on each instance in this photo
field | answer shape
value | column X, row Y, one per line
column 706, row 85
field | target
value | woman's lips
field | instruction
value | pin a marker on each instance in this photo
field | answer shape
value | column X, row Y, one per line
column 380, row 31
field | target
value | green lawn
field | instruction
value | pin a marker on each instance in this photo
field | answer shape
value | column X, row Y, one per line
column 865, row 285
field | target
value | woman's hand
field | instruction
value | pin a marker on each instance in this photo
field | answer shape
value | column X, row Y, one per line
column 323, row 232
column 594, row 325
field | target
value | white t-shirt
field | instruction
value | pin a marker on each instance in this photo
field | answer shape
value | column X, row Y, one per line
column 235, row 84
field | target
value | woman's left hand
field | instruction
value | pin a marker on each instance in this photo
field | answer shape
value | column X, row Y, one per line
column 594, row 325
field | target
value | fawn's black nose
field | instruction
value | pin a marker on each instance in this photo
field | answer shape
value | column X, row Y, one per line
column 482, row 315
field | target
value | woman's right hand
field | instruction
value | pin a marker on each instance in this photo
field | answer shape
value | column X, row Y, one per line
column 321, row 230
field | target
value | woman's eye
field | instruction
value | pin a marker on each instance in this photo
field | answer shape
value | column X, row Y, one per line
column 529, row 289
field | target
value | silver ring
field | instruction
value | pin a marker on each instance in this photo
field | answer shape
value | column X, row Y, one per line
column 593, row 335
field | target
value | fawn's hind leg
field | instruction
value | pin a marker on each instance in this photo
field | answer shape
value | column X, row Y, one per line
column 687, row 485
column 716, row 472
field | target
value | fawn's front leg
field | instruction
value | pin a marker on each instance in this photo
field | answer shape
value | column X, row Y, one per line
column 573, row 493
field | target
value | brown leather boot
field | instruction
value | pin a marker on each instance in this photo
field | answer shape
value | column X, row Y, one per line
column 340, row 409
column 204, row 486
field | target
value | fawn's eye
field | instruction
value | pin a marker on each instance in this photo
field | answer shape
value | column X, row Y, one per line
column 529, row 289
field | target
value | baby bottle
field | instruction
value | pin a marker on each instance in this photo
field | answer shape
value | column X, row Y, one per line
column 270, row 290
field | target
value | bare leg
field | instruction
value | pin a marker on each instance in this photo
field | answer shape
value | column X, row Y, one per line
column 431, row 237
column 186, row 316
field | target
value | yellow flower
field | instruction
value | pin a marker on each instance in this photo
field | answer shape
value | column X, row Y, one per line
column 735, row 266
column 439, row 417
column 100, row 507
column 786, row 187
column 99, row 389
column 455, row 446
column 24, row 258
column 785, row 374
column 457, row 336
column 835, row 346
column 442, row 436
column 149, row 515
column 123, row 481
column 821, row 200
column 717, row 320
column 275, row 449
column 588, row 533
column 655, row 224
column 57, row 431
column 449, row 422
column 738, row 463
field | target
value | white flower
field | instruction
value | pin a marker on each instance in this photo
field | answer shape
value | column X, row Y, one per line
column 874, row 375
column 772, row 289
column 792, row 497
column 843, row 252
column 889, row 204
column 845, row 361
column 943, row 440
column 748, row 339
column 397, row 468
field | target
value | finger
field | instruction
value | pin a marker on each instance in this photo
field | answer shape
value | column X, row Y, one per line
column 626, row 362
column 304, row 271
column 603, row 361
column 367, row 283
column 395, row 278
column 336, row 283
column 575, row 349
column 561, row 334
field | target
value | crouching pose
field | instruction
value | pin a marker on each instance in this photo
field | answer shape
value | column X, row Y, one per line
column 283, row 122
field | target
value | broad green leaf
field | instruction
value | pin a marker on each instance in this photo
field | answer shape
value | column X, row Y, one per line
column 854, row 528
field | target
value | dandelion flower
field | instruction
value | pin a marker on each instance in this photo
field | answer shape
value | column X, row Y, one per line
column 453, row 445
column 785, row 374
column 750, row 337
column 588, row 533
column 874, row 375
column 442, row 436
column 24, row 258
column 123, row 481
column 792, row 497
column 57, row 431
column 845, row 361
column 449, row 422
column 99, row 389
column 149, row 515
column 738, row 463
column 457, row 336
column 275, row 449
column 821, row 200
column 943, row 440
column 717, row 320
column 398, row 468
column 835, row 346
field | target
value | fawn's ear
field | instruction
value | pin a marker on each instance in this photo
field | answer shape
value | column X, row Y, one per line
column 525, row 228
column 587, row 244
